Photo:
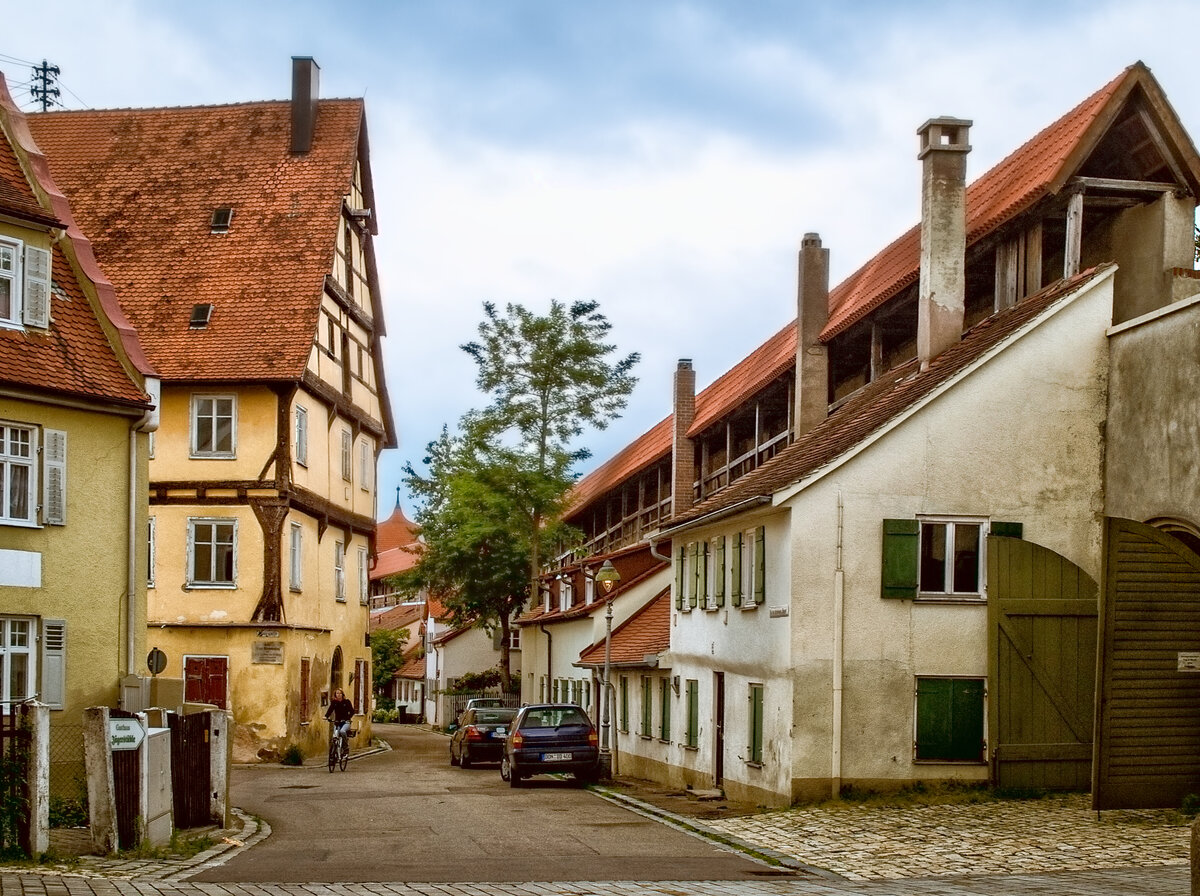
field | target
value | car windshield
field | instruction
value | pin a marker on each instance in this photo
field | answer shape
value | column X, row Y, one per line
column 554, row 717
column 492, row 716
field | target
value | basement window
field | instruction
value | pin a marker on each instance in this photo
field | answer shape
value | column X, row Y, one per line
column 221, row 219
column 201, row 314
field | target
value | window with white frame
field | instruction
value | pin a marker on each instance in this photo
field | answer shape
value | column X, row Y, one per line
column 347, row 464
column 714, row 591
column 296, row 557
column 748, row 568
column 514, row 638
column 302, row 435
column 364, row 465
column 18, row 659
column 589, row 590
column 150, row 553
column 364, row 577
column 952, row 558
column 339, row 570
column 31, row 456
column 566, row 594
column 212, row 552
column 214, row 425
column 24, row 285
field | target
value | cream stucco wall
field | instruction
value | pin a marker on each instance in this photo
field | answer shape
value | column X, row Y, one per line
column 83, row 564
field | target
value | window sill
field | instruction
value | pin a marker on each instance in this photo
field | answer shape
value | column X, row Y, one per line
column 935, row 598
column 20, row 524
column 693, row 749
column 210, row 586
column 748, row 606
column 221, row 456
column 646, row 736
column 950, row 762
column 750, row 763
column 295, row 589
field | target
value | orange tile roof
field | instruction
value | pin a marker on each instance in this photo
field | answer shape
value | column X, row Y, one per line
column 414, row 668
column 75, row 356
column 646, row 633
column 884, row 399
column 144, row 183
column 391, row 562
column 400, row 616
column 396, row 531
column 1038, row 168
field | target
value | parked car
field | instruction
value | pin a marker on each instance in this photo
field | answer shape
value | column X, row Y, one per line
column 546, row 738
column 480, row 735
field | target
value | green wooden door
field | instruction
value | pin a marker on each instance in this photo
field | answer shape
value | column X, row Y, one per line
column 1042, row 616
column 1148, row 715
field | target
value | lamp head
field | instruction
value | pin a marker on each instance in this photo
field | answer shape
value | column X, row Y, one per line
column 608, row 577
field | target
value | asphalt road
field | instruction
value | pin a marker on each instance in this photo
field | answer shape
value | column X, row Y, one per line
column 407, row 816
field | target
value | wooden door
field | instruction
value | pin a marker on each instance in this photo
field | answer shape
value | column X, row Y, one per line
column 191, row 769
column 1148, row 715
column 1042, row 617
column 206, row 678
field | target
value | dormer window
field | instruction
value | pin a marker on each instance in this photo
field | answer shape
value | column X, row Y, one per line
column 201, row 314
column 24, row 285
column 221, row 219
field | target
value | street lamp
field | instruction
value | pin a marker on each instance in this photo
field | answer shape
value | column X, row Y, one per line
column 608, row 578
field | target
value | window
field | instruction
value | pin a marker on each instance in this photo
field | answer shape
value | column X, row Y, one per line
column 748, row 568
column 362, row 691
column 624, row 691
column 296, row 557
column 347, row 466
column 364, row 577
column 589, row 590
column 302, row 435
column 212, row 552
column 214, row 425
column 715, row 593
column 514, row 638
column 150, row 553
column 339, row 570
column 664, row 698
column 24, row 285
column 221, row 219
column 950, row 720
column 693, row 713
column 17, row 659
column 951, row 554
column 647, row 706
column 18, row 454
column 756, row 724
column 201, row 315
column 364, row 465
column 566, row 594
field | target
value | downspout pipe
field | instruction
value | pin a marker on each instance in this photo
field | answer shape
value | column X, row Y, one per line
column 839, row 608
column 549, row 661
column 147, row 423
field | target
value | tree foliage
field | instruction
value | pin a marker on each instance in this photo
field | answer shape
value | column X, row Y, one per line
column 387, row 655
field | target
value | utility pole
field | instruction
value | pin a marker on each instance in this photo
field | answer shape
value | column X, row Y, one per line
column 43, row 90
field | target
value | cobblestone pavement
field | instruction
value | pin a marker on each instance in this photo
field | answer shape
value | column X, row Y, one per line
column 1021, row 848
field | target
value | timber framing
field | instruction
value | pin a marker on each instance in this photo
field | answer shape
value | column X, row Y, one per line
column 338, row 293
column 340, row 405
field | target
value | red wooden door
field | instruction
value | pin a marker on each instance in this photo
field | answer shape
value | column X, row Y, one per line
column 206, row 677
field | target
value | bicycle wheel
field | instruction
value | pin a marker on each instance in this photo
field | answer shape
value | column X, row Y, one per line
column 332, row 754
column 345, row 753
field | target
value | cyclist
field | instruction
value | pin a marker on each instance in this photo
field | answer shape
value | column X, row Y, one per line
column 340, row 711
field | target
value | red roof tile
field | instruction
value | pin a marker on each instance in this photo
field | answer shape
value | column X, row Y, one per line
column 396, row 531
column 400, row 616
column 144, row 184
column 646, row 633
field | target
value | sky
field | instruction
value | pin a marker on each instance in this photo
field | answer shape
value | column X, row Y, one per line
column 661, row 157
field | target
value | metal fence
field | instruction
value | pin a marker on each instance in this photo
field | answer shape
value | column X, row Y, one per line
column 68, row 776
column 458, row 702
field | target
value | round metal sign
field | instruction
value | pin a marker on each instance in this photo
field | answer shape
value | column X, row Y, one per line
column 156, row 661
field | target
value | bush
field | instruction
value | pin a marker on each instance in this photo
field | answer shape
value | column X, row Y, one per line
column 293, row 755
column 68, row 812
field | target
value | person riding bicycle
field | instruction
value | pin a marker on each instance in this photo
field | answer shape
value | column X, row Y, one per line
column 341, row 711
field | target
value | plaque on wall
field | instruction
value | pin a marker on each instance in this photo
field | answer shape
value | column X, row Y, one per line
column 267, row 652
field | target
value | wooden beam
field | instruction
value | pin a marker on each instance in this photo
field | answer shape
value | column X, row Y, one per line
column 1074, row 243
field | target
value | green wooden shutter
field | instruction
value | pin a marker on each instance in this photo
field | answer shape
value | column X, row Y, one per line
column 647, row 706
column 756, row 723
column 901, row 550
column 694, row 555
column 665, row 689
column 760, row 565
column 735, row 571
column 680, row 557
column 624, row 703
column 693, row 713
column 950, row 719
column 719, row 570
column 1008, row 530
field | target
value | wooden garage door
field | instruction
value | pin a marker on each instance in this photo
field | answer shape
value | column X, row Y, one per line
column 1042, row 615
column 1148, row 733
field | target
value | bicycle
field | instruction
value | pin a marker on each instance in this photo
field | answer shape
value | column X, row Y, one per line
column 339, row 747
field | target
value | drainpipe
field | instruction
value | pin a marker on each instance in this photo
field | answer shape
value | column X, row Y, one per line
column 839, row 600
column 147, row 423
column 549, row 662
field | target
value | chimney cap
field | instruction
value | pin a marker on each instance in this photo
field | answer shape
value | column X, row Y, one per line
column 685, row 363
column 944, row 134
column 811, row 239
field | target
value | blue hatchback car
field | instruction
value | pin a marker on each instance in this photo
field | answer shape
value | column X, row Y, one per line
column 548, row 738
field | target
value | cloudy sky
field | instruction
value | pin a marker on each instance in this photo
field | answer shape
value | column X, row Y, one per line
column 663, row 157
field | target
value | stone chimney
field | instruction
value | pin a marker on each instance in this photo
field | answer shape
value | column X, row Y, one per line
column 305, row 79
column 940, row 302
column 683, row 449
column 812, row 357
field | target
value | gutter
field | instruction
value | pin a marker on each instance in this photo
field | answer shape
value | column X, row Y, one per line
column 148, row 422
column 708, row 518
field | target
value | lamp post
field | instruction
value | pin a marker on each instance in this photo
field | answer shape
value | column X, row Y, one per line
column 608, row 578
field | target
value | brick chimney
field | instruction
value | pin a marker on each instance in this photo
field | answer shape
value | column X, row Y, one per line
column 305, row 79
column 683, row 449
column 940, row 302
column 812, row 357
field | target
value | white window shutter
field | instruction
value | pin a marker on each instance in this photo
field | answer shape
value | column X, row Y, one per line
column 54, row 477
column 54, row 662
column 37, row 287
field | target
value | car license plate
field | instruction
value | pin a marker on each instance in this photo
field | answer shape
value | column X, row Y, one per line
column 556, row 757
column 500, row 732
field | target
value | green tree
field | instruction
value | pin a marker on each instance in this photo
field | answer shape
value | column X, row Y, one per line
column 387, row 656
column 548, row 377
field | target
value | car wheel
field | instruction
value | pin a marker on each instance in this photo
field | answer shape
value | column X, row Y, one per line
column 504, row 768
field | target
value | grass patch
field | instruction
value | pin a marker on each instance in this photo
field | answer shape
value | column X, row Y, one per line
column 182, row 845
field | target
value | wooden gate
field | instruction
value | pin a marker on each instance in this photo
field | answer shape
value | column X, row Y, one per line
column 1148, row 715
column 127, row 789
column 191, row 769
column 1042, row 616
